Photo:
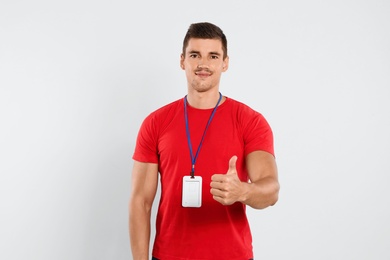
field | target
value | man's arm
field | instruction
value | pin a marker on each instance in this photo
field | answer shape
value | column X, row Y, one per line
column 143, row 190
column 261, row 192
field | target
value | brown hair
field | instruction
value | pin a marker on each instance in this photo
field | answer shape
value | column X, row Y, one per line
column 205, row 31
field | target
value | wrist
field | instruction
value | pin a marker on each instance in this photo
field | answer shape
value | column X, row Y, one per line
column 244, row 194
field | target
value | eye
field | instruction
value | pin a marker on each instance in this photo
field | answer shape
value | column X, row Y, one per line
column 214, row 57
column 193, row 55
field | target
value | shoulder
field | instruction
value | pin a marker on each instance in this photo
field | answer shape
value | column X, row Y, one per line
column 246, row 116
column 242, row 109
column 256, row 132
column 163, row 115
column 165, row 110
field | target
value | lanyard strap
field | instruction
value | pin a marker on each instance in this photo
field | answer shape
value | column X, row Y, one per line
column 193, row 158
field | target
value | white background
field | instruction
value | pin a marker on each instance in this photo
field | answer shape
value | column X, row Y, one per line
column 78, row 77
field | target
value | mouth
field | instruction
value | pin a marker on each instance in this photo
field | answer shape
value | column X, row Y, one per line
column 203, row 73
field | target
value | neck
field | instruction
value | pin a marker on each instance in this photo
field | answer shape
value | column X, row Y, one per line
column 204, row 100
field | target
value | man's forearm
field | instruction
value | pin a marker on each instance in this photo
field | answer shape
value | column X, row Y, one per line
column 261, row 194
column 139, row 225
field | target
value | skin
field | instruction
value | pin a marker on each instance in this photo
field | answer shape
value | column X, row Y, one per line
column 261, row 192
column 203, row 64
column 143, row 190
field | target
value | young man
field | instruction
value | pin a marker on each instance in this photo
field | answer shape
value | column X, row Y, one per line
column 214, row 155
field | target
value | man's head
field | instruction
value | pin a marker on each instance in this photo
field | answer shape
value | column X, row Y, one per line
column 205, row 31
column 204, row 57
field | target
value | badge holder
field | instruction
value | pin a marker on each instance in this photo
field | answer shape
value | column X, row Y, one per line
column 192, row 192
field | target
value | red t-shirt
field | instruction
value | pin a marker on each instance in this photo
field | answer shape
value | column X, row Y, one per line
column 212, row 231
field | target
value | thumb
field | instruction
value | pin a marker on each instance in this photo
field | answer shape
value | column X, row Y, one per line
column 232, row 165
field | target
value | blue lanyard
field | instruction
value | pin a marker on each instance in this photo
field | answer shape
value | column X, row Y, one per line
column 193, row 158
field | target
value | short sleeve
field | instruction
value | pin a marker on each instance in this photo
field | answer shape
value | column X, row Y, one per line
column 257, row 134
column 146, row 144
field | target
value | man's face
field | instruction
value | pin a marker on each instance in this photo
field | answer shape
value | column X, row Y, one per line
column 203, row 63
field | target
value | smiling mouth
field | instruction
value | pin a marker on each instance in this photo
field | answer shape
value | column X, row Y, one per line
column 202, row 73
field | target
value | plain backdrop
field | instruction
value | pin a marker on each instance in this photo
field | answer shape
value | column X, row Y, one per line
column 78, row 77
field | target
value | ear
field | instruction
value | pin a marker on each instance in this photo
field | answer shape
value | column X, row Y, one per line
column 182, row 62
column 225, row 64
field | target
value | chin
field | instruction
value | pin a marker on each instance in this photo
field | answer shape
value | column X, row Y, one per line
column 202, row 88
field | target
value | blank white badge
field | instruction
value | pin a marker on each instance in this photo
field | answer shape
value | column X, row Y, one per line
column 192, row 192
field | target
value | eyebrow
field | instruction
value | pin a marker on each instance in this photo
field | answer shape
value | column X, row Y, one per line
column 210, row 53
column 215, row 53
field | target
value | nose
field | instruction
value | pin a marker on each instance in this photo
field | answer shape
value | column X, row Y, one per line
column 202, row 63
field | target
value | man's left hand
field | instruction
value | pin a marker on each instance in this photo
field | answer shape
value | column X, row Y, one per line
column 227, row 188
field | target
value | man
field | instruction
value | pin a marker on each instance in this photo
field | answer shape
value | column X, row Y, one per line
column 214, row 155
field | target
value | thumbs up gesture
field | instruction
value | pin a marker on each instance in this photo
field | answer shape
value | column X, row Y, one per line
column 227, row 188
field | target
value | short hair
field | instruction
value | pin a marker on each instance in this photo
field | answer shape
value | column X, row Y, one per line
column 205, row 30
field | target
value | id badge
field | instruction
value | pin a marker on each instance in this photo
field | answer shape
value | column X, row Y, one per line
column 192, row 192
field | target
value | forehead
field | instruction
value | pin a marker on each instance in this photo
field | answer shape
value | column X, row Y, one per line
column 204, row 45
